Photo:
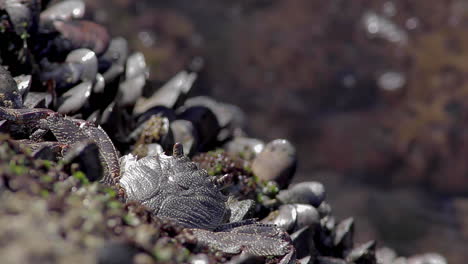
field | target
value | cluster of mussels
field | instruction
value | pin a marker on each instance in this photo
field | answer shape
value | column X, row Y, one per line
column 72, row 99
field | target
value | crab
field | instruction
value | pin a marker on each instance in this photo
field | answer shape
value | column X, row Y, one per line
column 174, row 187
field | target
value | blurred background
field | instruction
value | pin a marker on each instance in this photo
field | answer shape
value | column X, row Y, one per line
column 374, row 94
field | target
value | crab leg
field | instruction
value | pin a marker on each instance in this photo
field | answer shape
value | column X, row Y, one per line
column 70, row 131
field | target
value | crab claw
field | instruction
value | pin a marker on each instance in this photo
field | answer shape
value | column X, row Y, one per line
column 251, row 238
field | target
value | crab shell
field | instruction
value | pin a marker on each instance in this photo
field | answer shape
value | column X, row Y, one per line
column 174, row 187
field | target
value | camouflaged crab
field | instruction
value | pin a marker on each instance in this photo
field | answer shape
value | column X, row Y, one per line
column 174, row 187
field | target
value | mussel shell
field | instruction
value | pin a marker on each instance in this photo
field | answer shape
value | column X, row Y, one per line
column 169, row 95
column 112, row 62
column 80, row 65
column 117, row 124
column 385, row 255
column 285, row 217
column 343, row 234
column 65, row 10
column 303, row 242
column 86, row 155
column 4, row 127
column 63, row 75
column 277, row 162
column 130, row 90
column 206, row 124
column 229, row 116
column 307, row 215
column 144, row 150
column 364, row 253
column 199, row 259
column 94, row 117
column 156, row 111
column 37, row 100
column 99, row 84
column 306, row 260
column 75, row 98
column 185, row 133
column 225, row 113
column 292, row 217
column 154, row 149
column 312, row 193
column 89, row 61
column 400, row 260
column 108, row 114
column 154, row 130
column 135, row 66
column 24, row 15
column 248, row 148
column 24, row 84
column 77, row 34
column 329, row 260
column 324, row 209
column 428, row 258
column 136, row 74
column 328, row 223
